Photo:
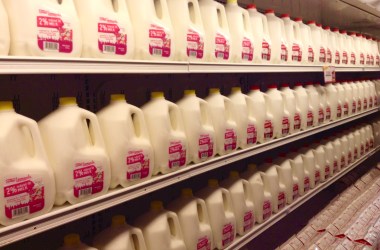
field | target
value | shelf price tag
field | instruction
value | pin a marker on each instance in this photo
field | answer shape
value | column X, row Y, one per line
column 329, row 74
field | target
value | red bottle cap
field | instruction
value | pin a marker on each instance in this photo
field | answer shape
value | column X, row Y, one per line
column 285, row 15
column 251, row 6
column 298, row 19
column 254, row 87
column 269, row 11
column 311, row 22
column 272, row 86
column 268, row 160
column 284, row 85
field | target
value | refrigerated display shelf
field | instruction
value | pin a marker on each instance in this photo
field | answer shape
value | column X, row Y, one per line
column 68, row 213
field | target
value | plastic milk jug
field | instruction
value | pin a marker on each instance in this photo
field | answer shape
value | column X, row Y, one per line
column 221, row 110
column 322, row 102
column 242, row 202
column 5, row 35
column 154, row 35
column 353, row 48
column 373, row 94
column 338, row 49
column 293, row 36
column 127, row 142
column 76, row 149
column 355, row 97
column 244, row 117
column 72, row 242
column 364, row 141
column 351, row 148
column 370, row 135
column 44, row 28
column 161, row 228
column 360, row 49
column 359, row 147
column 360, row 101
column 331, row 158
column 194, row 220
column 286, row 178
column 120, row 236
column 198, row 126
column 314, row 103
column 290, row 105
column 242, row 43
column 342, row 109
column 280, row 49
column 302, row 101
column 311, row 167
column 349, row 99
column 332, row 102
column 299, row 173
column 167, row 134
column 367, row 95
column 26, row 177
column 376, row 51
column 217, row 40
column 262, row 199
column 323, row 52
column 316, row 35
column 344, row 150
column 106, row 28
column 322, row 161
column 345, row 53
column 262, row 42
column 329, row 44
column 188, row 27
column 220, row 209
column 308, row 49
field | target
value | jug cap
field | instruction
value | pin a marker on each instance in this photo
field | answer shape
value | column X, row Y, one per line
column 327, row 28
column 254, row 87
column 351, row 33
column 311, row 22
column 187, row 192
column 284, row 85
column 251, row 6
column 117, row 97
column 156, row 205
column 231, row 1
column 317, row 83
column 71, row 240
column 269, row 11
column 252, row 167
column 272, row 86
column 157, row 94
column 359, row 35
column 67, row 101
column 319, row 25
column 309, row 83
column 214, row 91
column 298, row 84
column 236, row 89
column 285, row 15
column 269, row 160
column 188, row 92
column 6, row 105
column 298, row 19
column 234, row 174
column 343, row 32
column 335, row 29
column 282, row 154
column 213, row 183
column 118, row 220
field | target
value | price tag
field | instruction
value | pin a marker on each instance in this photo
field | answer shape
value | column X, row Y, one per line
column 329, row 74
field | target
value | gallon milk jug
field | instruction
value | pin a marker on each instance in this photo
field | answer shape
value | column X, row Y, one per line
column 308, row 50
column 280, row 49
column 167, row 134
column 72, row 242
column 352, row 47
column 44, row 28
column 127, row 141
column 316, row 35
column 286, row 178
column 360, row 49
column 111, row 35
column 358, row 147
column 332, row 102
column 242, row 202
column 189, row 32
column 120, row 236
column 314, row 104
column 342, row 109
column 344, row 47
column 220, row 209
column 336, row 40
column 221, row 110
column 302, row 101
column 367, row 95
column 322, row 103
column 194, row 220
column 299, row 172
column 351, row 148
column 76, row 149
column 375, row 48
column 242, row 43
column 244, row 117
column 262, row 199
column 360, row 100
column 355, row 97
column 328, row 43
column 290, row 105
column 218, row 40
column 364, row 141
column 262, row 42
column 154, row 35
column 293, row 36
column 161, row 228
column 371, row 137
column 331, row 158
column 264, row 120
column 310, row 165
column 5, row 35
column 323, row 52
column 322, row 161
column 344, row 150
column 26, row 177
column 198, row 126
column 349, row 99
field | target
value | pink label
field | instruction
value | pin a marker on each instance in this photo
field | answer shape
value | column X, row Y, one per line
column 335, row 166
column 378, row 60
column 284, row 52
column 353, row 58
column 345, row 109
column 343, row 161
column 297, row 121
column 349, row 158
column 249, row 221
column 204, row 243
column 367, row 146
column 285, row 126
column 339, row 111
column 310, row 118
column 247, row 51
column 370, row 105
column 281, row 200
column 356, row 153
column 359, row 107
column 371, row 143
column 306, row 183
column 228, row 234
column 88, row 179
column 362, row 149
column 354, row 107
column 23, row 196
column 295, row 191
column 268, row 129
column 177, row 154
column 328, row 113
column 317, row 176
column 372, row 60
column 322, row 55
column 345, row 57
column 328, row 56
column 327, row 171
column 365, row 103
column 137, row 165
column 230, row 138
column 321, row 116
column 251, row 134
column 159, row 41
column 368, row 61
column 362, row 59
column 206, row 146
column 296, row 53
column 54, row 33
column 112, row 38
column 266, row 51
column 375, row 102
column 337, row 57
column 267, row 210
column 195, row 44
column 222, row 47
column 310, row 56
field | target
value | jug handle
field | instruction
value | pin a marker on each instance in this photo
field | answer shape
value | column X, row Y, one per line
column 140, row 238
column 265, row 24
column 247, row 188
column 204, row 106
column 223, row 16
column 122, row 6
column 226, row 195
column 94, row 129
column 176, row 112
column 177, row 229
column 141, row 121
column 250, row 104
column 202, row 203
column 31, row 125
column 197, row 12
column 165, row 11
column 247, row 22
column 229, row 108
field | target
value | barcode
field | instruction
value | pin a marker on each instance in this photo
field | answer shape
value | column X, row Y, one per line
column 157, row 52
column 192, row 53
column 109, row 48
column 135, row 176
column 20, row 211
column 85, row 191
column 245, row 57
column 265, row 57
column 229, row 147
column 204, row 155
column 219, row 55
column 51, row 46
column 175, row 164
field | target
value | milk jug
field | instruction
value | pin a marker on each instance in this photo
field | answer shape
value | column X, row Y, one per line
column 316, row 34
column 302, row 100
column 360, row 49
column 342, row 109
column 331, row 158
column 154, row 36
column 373, row 94
column 293, row 36
column 338, row 153
column 242, row 202
column 322, row 116
column 328, row 43
column 262, row 42
column 343, row 46
column 311, row 167
column 262, row 199
column 26, row 176
column 218, row 40
column 345, row 150
column 353, row 48
column 364, row 141
column 323, row 52
column 161, row 228
column 5, row 35
column 127, row 142
column 349, row 104
column 244, row 117
column 280, row 49
column 307, row 42
column 111, row 35
column 360, row 99
column 367, row 95
column 73, row 242
column 332, row 102
column 359, row 147
column 338, row 48
column 371, row 137
column 290, row 105
column 375, row 48
column 351, row 148
column 189, row 34
column 76, row 149
column 298, row 170
column 194, row 220
column 314, row 102
column 44, row 28
column 264, row 120
column 198, row 126
column 322, row 160
column 286, row 178
column 220, row 209
column 242, row 43
column 167, row 134
column 120, row 236
column 277, row 109
column 355, row 97
column 222, row 116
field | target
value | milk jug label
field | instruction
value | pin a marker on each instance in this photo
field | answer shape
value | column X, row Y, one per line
column 322, row 55
column 54, row 33
column 359, row 108
column 362, row 60
column 335, row 166
column 267, row 209
column 251, row 134
column 266, row 51
column 159, row 41
column 285, row 126
column 112, row 39
column 343, row 161
column 230, row 138
column 249, row 221
column 345, row 109
column 355, row 153
column 88, row 179
column 371, row 143
column 206, row 147
column 306, row 183
column 222, row 47
column 295, row 191
column 296, row 53
column 281, row 200
column 310, row 118
column 353, row 107
column 317, row 176
column 372, row 60
column 344, row 57
column 349, row 157
column 365, row 103
column 367, row 146
column 370, row 105
column 327, row 171
column 361, row 149
column 177, row 154
column 137, row 165
column 310, row 56
column 328, row 113
column 368, row 61
column 284, row 52
column 23, row 195
column 339, row 111
column 337, row 57
column 378, row 60
column 204, row 243
column 247, row 49
column 328, row 56
column 228, row 234
column 297, row 121
column 353, row 58
column 321, row 116
column 195, row 44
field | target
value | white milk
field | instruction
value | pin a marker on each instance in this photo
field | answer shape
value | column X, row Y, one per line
column 351, row 148
column 127, row 142
column 221, row 110
column 373, row 93
column 323, row 108
column 370, row 135
column 367, row 95
column 359, row 147
column 120, row 236
column 167, row 134
column 218, row 39
column 352, row 48
column 299, row 172
column 328, row 42
column 198, row 127
column 314, row 104
column 345, row 53
column 44, row 28
column 311, row 167
column 307, row 42
column 72, row 242
column 331, row 157
column 322, row 160
column 375, row 48
column 338, row 49
column 360, row 49
column 302, row 101
column 154, row 35
column 244, row 117
column 26, row 176
column 316, row 34
column 355, row 97
column 280, row 49
column 293, row 36
column 342, row 109
column 242, row 202
column 194, row 220
column 107, row 30
column 76, row 149
column 364, row 141
column 332, row 102
column 344, row 150
column 349, row 99
column 361, row 96
column 290, row 105
column 286, row 178
column 220, row 209
column 161, row 228
column 5, row 35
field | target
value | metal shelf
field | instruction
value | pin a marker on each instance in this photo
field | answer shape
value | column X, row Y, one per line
column 68, row 213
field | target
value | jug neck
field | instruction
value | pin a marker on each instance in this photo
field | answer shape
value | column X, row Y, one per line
column 118, row 98
column 232, row 2
column 157, row 96
column 236, row 90
column 67, row 102
column 6, row 106
column 189, row 92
